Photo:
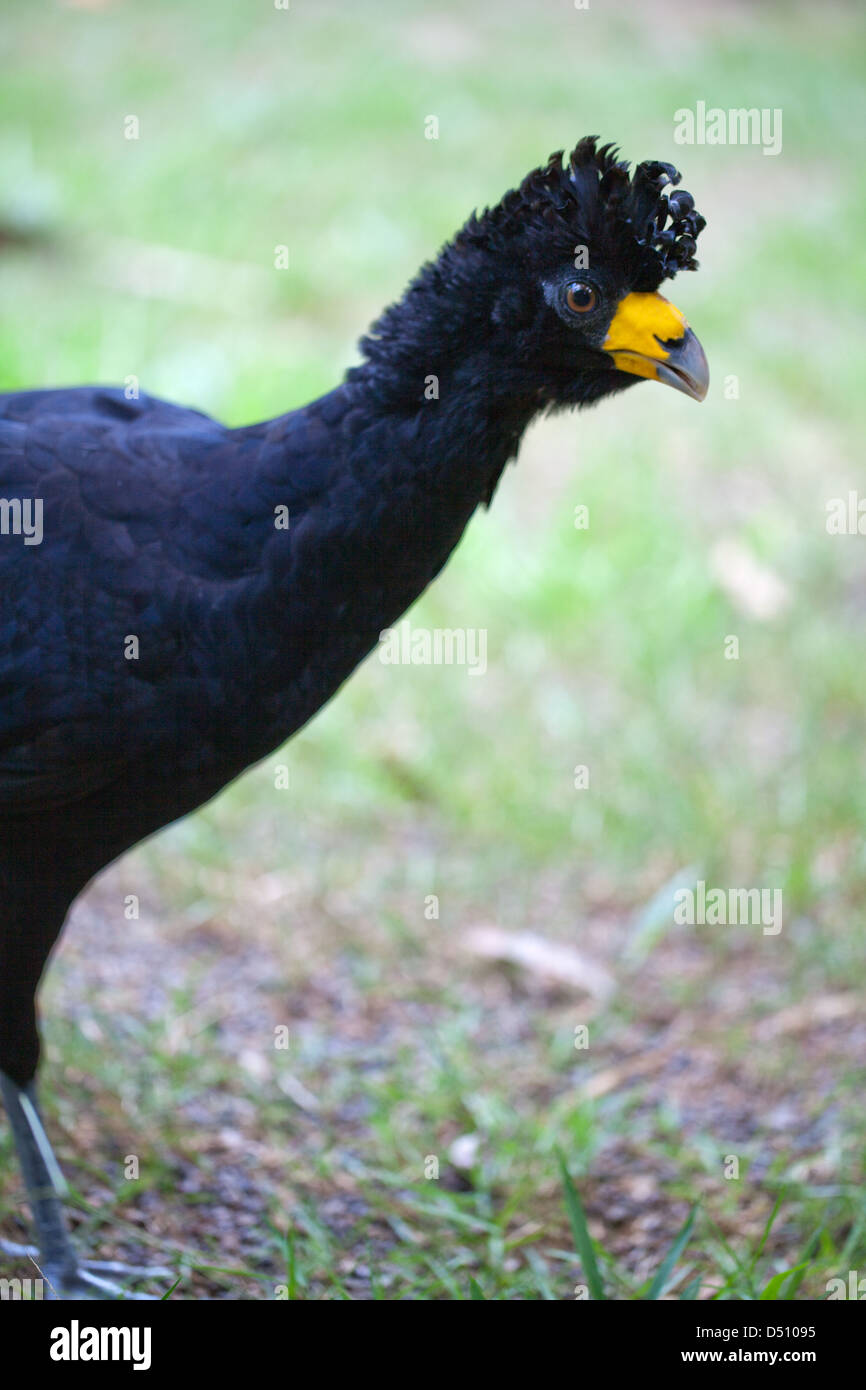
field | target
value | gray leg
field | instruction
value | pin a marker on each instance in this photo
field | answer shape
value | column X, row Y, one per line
column 56, row 1257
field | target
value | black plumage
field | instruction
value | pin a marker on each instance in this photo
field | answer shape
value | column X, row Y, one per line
column 200, row 592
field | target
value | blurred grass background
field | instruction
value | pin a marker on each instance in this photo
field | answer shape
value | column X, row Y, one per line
column 154, row 258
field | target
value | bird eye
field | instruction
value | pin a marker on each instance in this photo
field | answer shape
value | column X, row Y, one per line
column 580, row 297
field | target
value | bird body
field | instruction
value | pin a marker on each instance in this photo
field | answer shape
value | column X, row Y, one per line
column 199, row 592
column 169, row 631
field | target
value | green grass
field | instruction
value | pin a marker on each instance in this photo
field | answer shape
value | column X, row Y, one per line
column 303, row 1172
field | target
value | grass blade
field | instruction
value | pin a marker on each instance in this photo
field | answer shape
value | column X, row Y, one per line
column 772, row 1290
column 580, row 1230
column 666, row 1268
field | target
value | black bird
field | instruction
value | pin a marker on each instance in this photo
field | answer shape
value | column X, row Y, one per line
column 178, row 598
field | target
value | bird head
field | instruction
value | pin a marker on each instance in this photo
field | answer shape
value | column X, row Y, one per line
column 581, row 248
column 551, row 298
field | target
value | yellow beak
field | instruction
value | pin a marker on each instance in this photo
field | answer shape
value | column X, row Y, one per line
column 648, row 336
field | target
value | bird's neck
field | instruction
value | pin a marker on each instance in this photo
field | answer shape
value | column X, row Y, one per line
column 405, row 467
column 454, row 446
column 409, row 446
column 436, row 378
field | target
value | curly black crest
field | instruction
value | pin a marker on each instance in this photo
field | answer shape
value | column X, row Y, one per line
column 592, row 199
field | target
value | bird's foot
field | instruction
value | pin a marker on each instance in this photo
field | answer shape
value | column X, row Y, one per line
column 84, row 1279
column 84, row 1284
